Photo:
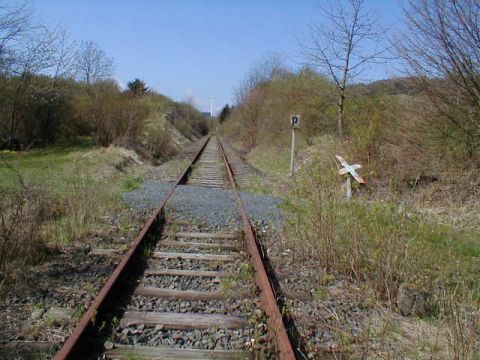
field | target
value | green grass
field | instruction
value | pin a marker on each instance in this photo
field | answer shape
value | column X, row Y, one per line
column 427, row 252
column 228, row 283
column 60, row 167
column 134, row 356
column 378, row 245
column 377, row 241
column 79, row 184
column 272, row 161
column 275, row 164
column 132, row 183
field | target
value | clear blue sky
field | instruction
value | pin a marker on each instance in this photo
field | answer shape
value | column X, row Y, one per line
column 198, row 48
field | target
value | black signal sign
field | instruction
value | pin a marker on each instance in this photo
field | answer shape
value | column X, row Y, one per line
column 295, row 121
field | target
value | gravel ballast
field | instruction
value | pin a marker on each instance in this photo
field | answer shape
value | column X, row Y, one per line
column 218, row 339
column 226, row 306
column 212, row 206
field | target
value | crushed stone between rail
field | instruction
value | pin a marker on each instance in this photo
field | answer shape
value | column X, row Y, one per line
column 212, row 206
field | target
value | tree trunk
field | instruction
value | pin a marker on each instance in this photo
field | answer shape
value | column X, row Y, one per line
column 341, row 107
column 11, row 144
column 13, row 120
column 19, row 94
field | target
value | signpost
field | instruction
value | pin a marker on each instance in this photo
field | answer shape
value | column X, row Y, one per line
column 351, row 171
column 294, row 124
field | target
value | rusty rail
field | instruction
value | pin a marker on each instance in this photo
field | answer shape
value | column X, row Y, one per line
column 87, row 320
column 267, row 296
column 277, row 329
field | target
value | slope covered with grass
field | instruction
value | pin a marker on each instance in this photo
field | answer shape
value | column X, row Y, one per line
column 53, row 197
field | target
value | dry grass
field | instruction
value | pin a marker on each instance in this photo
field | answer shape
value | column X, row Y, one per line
column 22, row 213
column 388, row 246
column 415, row 226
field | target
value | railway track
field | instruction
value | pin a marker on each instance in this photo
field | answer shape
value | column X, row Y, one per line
column 185, row 291
column 209, row 169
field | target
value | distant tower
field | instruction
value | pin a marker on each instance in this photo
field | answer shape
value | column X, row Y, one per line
column 211, row 107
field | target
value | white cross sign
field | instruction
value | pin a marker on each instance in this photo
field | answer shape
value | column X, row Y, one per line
column 350, row 169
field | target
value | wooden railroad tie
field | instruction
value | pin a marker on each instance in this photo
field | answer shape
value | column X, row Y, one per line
column 201, row 235
column 206, row 257
column 163, row 293
column 200, row 245
column 105, row 252
column 183, row 321
column 178, row 272
column 124, row 352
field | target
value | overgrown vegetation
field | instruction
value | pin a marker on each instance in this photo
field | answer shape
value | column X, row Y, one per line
column 412, row 230
column 391, row 248
column 52, row 198
column 56, row 93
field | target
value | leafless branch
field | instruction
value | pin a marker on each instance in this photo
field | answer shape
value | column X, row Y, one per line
column 91, row 63
column 442, row 50
column 343, row 42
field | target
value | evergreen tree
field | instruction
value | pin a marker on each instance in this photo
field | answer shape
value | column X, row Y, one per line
column 137, row 88
column 224, row 114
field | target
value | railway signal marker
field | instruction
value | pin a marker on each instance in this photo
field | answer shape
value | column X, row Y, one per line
column 351, row 171
column 295, row 121
column 294, row 124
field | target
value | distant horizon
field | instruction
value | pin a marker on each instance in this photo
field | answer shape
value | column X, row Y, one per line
column 196, row 50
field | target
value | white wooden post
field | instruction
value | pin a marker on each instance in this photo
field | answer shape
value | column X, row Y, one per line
column 294, row 124
column 292, row 153
column 348, row 187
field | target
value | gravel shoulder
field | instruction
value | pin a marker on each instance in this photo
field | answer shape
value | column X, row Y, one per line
column 39, row 314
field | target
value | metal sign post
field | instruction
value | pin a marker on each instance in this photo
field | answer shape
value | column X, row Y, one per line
column 350, row 170
column 294, row 124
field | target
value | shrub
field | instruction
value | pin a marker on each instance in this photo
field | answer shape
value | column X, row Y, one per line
column 379, row 242
column 111, row 115
column 369, row 123
column 388, row 246
column 156, row 141
column 263, row 115
column 22, row 213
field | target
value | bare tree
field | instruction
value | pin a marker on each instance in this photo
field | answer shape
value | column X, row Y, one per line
column 269, row 68
column 14, row 22
column 91, row 63
column 47, row 95
column 64, row 54
column 442, row 51
column 252, row 92
column 342, row 43
column 251, row 110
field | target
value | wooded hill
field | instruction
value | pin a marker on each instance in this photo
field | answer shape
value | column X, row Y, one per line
column 54, row 89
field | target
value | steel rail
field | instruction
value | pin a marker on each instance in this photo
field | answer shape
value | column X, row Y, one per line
column 69, row 347
column 267, row 296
